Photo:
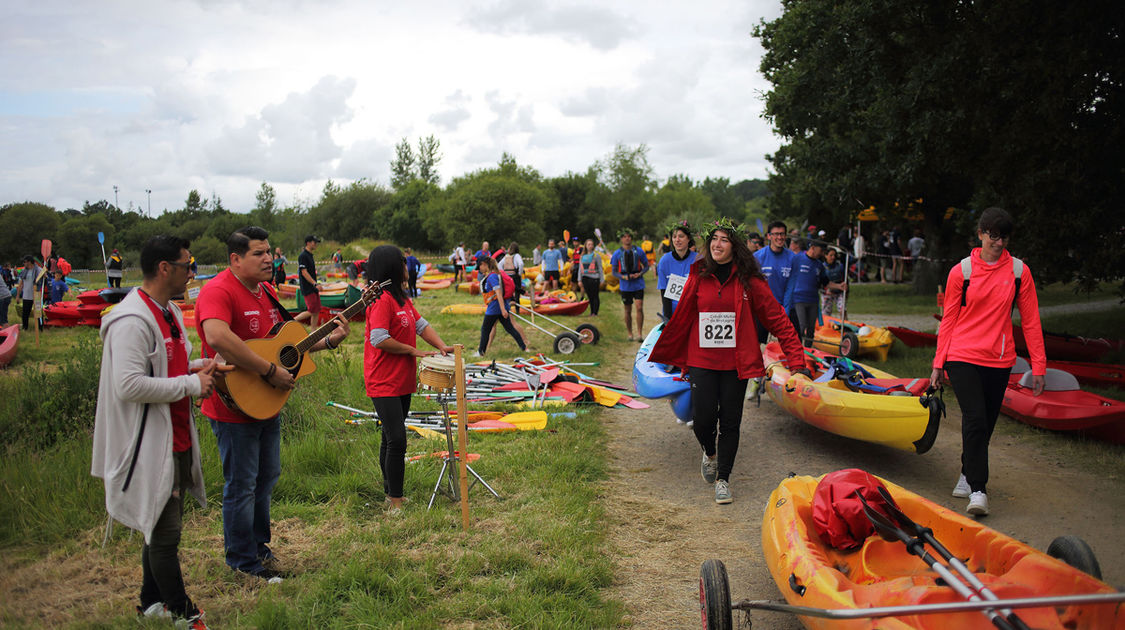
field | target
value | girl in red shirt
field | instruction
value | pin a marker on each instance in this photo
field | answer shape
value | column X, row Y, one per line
column 390, row 355
column 975, row 346
column 713, row 337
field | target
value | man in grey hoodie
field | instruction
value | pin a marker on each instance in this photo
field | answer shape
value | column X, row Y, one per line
column 146, row 448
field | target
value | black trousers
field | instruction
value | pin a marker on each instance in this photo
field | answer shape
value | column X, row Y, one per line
column 593, row 293
column 490, row 323
column 717, row 397
column 518, row 280
column 162, row 579
column 980, row 391
column 27, row 306
column 413, row 283
column 392, row 412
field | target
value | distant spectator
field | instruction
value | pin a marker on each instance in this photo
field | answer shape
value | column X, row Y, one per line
column 552, row 264
column 7, row 276
column 859, row 249
column 482, row 253
column 279, row 261
column 59, row 288
column 884, row 252
column 413, row 266
column 755, row 242
column 894, row 244
column 916, row 245
column 836, row 274
column 114, row 268
column 844, row 238
column 29, row 283
column 5, row 296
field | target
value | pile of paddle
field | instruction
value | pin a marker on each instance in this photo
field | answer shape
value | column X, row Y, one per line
column 538, row 382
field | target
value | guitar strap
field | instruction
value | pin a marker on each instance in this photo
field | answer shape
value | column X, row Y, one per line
column 286, row 316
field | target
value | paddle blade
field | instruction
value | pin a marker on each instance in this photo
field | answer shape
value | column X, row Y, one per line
column 45, row 249
column 429, row 434
column 527, row 420
column 101, row 237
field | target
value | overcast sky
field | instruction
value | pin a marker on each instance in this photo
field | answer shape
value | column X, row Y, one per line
column 220, row 96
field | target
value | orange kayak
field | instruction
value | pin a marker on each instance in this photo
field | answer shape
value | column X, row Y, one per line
column 881, row 573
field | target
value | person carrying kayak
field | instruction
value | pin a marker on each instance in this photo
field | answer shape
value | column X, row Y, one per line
column 712, row 336
column 975, row 346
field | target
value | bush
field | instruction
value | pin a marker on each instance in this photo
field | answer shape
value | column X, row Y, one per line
column 45, row 404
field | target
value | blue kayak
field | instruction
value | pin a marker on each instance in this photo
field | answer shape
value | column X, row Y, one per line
column 656, row 380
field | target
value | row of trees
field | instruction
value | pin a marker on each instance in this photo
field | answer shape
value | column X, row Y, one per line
column 957, row 104
column 500, row 204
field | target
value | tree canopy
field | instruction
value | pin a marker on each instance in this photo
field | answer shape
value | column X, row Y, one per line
column 957, row 104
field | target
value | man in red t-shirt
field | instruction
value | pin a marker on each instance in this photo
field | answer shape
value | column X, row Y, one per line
column 236, row 305
column 143, row 419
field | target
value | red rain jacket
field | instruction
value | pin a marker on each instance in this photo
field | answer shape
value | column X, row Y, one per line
column 680, row 337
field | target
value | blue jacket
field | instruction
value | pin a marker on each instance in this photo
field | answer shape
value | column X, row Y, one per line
column 809, row 275
column 778, row 269
column 640, row 262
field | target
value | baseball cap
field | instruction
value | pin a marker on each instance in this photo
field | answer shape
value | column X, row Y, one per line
column 312, row 237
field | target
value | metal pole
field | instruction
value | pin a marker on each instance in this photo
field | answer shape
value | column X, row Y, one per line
column 149, row 192
column 462, row 431
column 116, row 204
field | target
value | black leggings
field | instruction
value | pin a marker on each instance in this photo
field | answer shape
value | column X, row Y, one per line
column 717, row 397
column 392, row 412
column 490, row 323
column 667, row 306
column 518, row 280
column 27, row 306
column 804, row 318
column 593, row 293
column 980, row 391
column 413, row 283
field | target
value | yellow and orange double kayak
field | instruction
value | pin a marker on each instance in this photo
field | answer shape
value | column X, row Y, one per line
column 904, row 422
column 880, row 573
column 857, row 339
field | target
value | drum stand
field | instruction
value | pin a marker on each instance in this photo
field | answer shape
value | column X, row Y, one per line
column 449, row 462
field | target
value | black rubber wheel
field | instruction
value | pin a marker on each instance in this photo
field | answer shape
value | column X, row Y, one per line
column 1075, row 552
column 714, row 596
column 566, row 343
column 849, row 345
column 588, row 333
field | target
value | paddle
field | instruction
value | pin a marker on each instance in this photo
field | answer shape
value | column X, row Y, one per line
column 101, row 243
column 890, row 533
column 37, row 302
column 927, row 535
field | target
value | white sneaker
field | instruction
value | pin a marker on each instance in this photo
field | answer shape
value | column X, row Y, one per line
column 476, row 354
column 690, row 423
column 156, row 610
column 752, row 388
column 709, row 468
column 978, row 504
column 722, row 492
column 962, row 489
column 678, row 421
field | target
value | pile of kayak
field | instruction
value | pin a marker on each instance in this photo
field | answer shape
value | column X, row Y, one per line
column 87, row 310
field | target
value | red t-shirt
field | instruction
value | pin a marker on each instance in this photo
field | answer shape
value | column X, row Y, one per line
column 385, row 373
column 249, row 315
column 713, row 299
column 176, row 350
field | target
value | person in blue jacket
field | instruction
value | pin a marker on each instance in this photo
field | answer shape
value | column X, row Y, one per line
column 629, row 265
column 674, row 267
column 776, row 263
column 413, row 266
column 809, row 275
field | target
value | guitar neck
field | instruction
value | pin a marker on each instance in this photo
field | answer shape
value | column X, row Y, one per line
column 320, row 333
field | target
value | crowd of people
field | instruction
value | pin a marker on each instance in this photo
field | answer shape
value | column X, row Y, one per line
column 721, row 297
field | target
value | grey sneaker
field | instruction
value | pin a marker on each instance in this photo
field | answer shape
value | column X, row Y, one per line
column 978, row 504
column 962, row 489
column 156, row 610
column 709, row 468
column 722, row 492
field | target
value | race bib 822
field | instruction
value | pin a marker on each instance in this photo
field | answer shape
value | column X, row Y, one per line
column 716, row 330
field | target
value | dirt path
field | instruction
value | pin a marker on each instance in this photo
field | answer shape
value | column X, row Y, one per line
column 666, row 523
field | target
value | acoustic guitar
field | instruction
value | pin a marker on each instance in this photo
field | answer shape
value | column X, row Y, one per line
column 287, row 346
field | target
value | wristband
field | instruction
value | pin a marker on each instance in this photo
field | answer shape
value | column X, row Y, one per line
column 328, row 343
column 269, row 373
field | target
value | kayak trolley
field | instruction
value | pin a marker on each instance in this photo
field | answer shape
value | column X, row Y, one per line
column 565, row 342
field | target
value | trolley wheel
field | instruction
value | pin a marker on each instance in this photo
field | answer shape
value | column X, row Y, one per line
column 849, row 345
column 1075, row 552
column 714, row 596
column 588, row 333
column 566, row 343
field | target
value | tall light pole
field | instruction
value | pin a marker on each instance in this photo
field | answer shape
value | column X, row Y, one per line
column 149, row 191
column 116, row 205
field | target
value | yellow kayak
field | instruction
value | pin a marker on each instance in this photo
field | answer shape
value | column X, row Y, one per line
column 858, row 340
column 810, row 573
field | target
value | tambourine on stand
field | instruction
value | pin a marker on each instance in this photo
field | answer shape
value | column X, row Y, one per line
column 446, row 376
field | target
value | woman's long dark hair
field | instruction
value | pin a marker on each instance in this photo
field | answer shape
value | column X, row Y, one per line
column 745, row 265
column 386, row 263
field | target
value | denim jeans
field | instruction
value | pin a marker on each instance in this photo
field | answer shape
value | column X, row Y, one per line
column 251, row 455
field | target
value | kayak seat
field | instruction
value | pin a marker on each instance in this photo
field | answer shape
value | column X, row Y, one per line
column 1021, row 366
column 1057, row 381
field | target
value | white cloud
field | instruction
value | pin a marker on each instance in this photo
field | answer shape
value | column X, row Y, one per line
column 596, row 26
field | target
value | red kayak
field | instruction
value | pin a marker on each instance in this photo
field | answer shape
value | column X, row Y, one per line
column 9, row 344
column 1064, row 347
column 1097, row 374
column 1064, row 407
column 562, row 308
column 914, row 338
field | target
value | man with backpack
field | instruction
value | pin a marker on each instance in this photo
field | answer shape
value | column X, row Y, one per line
column 629, row 265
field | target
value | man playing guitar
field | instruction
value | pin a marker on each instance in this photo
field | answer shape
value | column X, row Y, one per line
column 237, row 305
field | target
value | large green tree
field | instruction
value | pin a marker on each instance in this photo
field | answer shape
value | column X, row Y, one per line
column 627, row 193
column 26, row 224
column 500, row 205
column 958, row 103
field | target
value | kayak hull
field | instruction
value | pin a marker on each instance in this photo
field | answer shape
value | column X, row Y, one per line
column 900, row 422
column 914, row 338
column 656, row 380
column 875, row 344
column 1076, row 411
column 9, row 344
column 881, row 573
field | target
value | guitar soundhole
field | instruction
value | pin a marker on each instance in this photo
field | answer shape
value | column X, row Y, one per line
column 289, row 357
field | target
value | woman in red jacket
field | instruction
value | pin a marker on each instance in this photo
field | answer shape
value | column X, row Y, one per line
column 975, row 345
column 712, row 336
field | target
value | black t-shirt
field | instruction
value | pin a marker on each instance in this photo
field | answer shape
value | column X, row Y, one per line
column 305, row 262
